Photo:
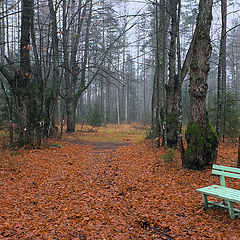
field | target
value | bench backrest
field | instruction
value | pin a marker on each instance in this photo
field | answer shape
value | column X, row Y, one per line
column 223, row 172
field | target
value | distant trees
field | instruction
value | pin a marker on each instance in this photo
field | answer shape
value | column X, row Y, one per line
column 76, row 55
column 70, row 55
column 76, row 25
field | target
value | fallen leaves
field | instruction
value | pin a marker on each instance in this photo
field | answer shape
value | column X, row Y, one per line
column 82, row 191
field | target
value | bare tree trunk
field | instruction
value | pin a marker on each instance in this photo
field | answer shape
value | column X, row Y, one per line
column 159, row 94
column 155, row 128
column 201, row 137
column 164, row 21
column 224, row 53
column 19, row 80
column 144, row 89
column 21, row 86
column 180, row 114
column 124, row 72
column 72, row 96
column 173, row 88
column 7, row 26
column 118, row 107
column 71, row 105
column 221, row 90
column 56, row 76
column 155, row 107
column 2, row 33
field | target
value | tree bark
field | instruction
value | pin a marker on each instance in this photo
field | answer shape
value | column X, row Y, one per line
column 19, row 80
column 71, row 105
column 224, row 57
column 56, row 76
column 201, row 137
column 155, row 108
column 221, row 87
column 159, row 94
column 173, row 88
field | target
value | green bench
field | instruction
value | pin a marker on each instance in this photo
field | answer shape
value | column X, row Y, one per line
column 229, row 195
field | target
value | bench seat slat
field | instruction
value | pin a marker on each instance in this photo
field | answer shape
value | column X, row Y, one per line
column 226, row 174
column 221, row 192
column 229, row 169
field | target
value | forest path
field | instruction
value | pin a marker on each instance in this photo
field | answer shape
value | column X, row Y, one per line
column 81, row 188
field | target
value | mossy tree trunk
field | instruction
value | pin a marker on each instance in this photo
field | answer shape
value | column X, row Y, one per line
column 201, row 138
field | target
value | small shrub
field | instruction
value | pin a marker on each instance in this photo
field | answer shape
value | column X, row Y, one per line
column 94, row 117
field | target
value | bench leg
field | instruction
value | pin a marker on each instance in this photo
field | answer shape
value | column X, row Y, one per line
column 230, row 209
column 205, row 201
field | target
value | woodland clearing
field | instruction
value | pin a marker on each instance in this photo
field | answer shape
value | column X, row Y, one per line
column 109, row 184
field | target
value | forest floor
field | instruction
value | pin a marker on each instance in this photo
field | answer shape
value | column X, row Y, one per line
column 108, row 184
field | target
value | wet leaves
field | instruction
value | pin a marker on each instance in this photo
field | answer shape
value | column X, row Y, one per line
column 125, row 192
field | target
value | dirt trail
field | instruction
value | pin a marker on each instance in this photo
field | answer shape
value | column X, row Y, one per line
column 94, row 190
column 100, row 145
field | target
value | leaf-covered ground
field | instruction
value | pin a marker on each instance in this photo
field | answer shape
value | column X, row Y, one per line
column 121, row 189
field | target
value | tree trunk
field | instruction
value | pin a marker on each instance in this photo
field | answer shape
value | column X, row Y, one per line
column 201, row 137
column 2, row 33
column 159, row 94
column 173, row 94
column 71, row 112
column 73, row 92
column 221, row 88
column 22, row 80
column 56, row 76
column 224, row 57
column 173, row 88
column 118, row 107
column 155, row 108
column 19, row 80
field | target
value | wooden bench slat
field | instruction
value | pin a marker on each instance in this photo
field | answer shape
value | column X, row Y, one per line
column 224, row 168
column 221, row 192
column 226, row 174
column 229, row 195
